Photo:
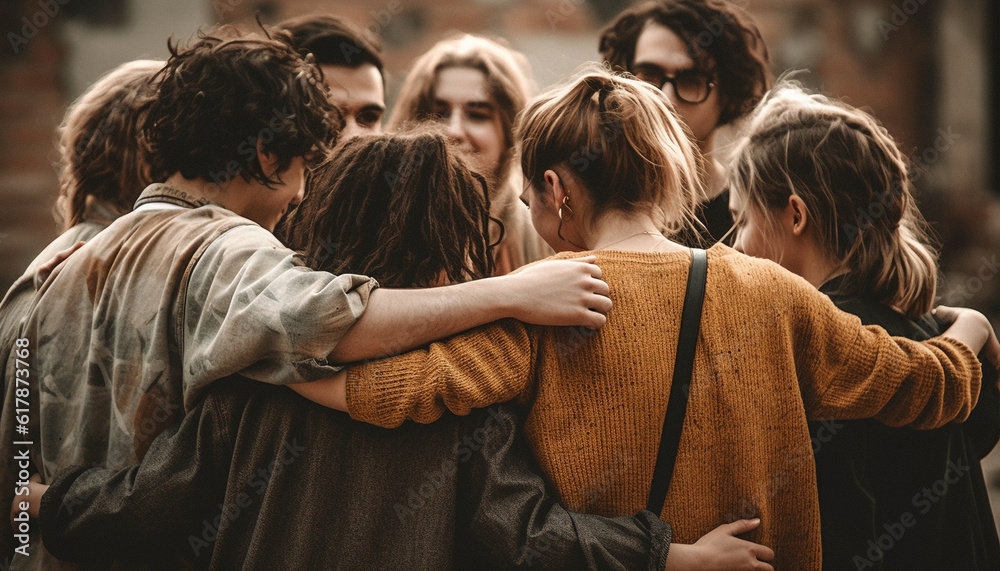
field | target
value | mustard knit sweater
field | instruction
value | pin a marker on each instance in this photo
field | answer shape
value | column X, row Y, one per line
column 773, row 351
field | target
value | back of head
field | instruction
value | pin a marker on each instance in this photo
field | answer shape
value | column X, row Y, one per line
column 402, row 208
column 720, row 38
column 855, row 184
column 621, row 139
column 334, row 41
column 507, row 75
column 226, row 96
column 101, row 151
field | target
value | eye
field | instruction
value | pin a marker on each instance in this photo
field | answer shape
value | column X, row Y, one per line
column 369, row 118
column 441, row 110
column 649, row 74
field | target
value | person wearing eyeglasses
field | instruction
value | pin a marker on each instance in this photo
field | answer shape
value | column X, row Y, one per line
column 709, row 59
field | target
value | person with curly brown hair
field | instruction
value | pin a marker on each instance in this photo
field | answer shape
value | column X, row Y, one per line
column 103, row 165
column 710, row 60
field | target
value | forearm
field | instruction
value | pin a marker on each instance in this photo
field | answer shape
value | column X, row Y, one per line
column 396, row 321
column 555, row 292
column 971, row 328
column 515, row 522
column 330, row 392
column 139, row 512
column 487, row 365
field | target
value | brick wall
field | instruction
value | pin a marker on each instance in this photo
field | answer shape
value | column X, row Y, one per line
column 31, row 106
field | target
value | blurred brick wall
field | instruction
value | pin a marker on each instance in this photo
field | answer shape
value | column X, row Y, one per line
column 31, row 106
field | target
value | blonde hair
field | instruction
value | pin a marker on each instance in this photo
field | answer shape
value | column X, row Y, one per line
column 621, row 138
column 507, row 76
column 101, row 150
column 855, row 184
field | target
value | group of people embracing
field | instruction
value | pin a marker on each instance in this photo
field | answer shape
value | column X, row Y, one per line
column 492, row 292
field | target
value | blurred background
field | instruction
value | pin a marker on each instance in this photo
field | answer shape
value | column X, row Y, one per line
column 928, row 69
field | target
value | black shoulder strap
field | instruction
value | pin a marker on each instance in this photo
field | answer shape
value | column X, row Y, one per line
column 683, row 366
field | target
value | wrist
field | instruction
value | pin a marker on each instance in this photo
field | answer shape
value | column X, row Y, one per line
column 503, row 300
column 681, row 557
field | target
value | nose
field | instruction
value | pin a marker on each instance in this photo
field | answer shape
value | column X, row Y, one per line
column 351, row 129
column 454, row 128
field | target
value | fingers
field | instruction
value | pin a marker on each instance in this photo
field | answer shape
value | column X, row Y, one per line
column 600, row 287
column 740, row 526
column 36, row 478
column 762, row 552
column 593, row 320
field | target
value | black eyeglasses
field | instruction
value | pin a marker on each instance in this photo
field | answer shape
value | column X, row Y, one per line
column 691, row 86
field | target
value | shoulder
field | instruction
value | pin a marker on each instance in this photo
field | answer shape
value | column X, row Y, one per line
column 734, row 268
column 761, row 284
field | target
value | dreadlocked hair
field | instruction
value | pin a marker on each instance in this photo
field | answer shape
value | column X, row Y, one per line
column 402, row 208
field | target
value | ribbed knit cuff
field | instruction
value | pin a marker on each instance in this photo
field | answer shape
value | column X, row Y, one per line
column 374, row 391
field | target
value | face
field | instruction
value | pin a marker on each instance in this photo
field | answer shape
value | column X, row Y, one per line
column 470, row 115
column 754, row 236
column 660, row 52
column 360, row 96
column 272, row 203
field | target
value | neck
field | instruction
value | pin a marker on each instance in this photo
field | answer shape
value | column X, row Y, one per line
column 222, row 194
column 621, row 231
column 715, row 181
column 818, row 269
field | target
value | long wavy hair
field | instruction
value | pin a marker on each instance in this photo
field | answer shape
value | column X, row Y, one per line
column 102, row 152
column 856, row 185
column 507, row 76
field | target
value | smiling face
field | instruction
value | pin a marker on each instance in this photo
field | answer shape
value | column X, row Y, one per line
column 469, row 113
column 360, row 96
column 660, row 49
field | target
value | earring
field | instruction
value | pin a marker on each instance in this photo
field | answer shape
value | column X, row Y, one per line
column 565, row 204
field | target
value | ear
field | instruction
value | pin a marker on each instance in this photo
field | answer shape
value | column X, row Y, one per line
column 554, row 191
column 268, row 161
column 796, row 217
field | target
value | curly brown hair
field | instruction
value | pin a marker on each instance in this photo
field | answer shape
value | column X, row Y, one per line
column 101, row 152
column 227, row 94
column 402, row 208
column 721, row 38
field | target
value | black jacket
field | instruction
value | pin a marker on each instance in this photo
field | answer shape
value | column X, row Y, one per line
column 903, row 499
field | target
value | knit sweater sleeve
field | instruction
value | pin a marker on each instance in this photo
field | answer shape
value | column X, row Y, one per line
column 491, row 364
column 847, row 370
